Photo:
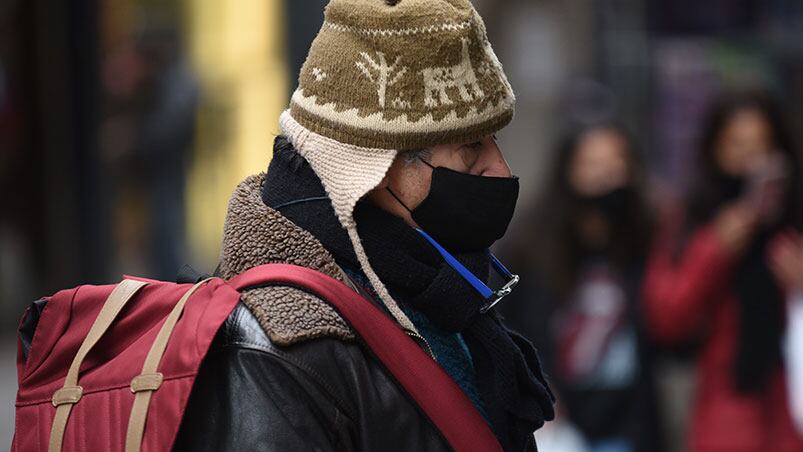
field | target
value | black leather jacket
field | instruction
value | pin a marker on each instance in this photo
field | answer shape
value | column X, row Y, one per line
column 319, row 395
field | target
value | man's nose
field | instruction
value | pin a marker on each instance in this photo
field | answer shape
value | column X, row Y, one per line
column 492, row 163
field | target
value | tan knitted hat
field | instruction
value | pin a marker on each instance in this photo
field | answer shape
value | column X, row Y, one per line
column 389, row 75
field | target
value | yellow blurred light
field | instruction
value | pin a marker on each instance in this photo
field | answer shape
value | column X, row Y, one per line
column 238, row 50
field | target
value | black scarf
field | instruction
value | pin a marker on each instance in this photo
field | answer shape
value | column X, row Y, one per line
column 515, row 394
column 758, row 352
column 760, row 299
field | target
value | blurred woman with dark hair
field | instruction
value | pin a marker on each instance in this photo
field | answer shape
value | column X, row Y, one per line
column 582, row 251
column 722, row 275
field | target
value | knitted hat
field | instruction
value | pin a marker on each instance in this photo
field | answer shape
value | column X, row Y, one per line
column 389, row 75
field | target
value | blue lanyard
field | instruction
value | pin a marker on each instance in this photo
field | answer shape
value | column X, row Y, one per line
column 491, row 297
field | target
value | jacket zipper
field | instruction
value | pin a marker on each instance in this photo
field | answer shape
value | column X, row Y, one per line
column 421, row 341
column 419, row 338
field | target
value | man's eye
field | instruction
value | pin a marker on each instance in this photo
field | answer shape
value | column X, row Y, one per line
column 471, row 153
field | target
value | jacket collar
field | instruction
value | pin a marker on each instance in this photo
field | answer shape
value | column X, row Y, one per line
column 255, row 234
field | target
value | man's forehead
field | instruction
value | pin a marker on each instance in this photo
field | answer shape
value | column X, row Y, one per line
column 459, row 144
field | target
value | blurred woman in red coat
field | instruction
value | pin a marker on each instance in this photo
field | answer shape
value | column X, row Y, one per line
column 725, row 274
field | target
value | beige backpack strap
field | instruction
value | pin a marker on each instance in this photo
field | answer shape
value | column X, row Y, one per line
column 149, row 380
column 70, row 393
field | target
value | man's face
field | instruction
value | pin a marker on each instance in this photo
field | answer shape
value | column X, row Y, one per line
column 410, row 179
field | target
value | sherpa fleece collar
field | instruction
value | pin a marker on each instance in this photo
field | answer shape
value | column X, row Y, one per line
column 255, row 234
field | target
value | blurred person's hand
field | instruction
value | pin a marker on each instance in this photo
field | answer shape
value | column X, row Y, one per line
column 768, row 176
column 786, row 259
column 735, row 225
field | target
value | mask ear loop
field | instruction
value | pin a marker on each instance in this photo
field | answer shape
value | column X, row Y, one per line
column 398, row 199
column 426, row 163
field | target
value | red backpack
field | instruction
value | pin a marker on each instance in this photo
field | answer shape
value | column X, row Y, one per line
column 111, row 367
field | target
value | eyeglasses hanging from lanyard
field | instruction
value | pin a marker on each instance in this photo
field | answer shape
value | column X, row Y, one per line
column 491, row 297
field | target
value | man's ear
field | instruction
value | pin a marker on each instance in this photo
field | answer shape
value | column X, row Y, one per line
column 394, row 168
column 377, row 194
column 383, row 184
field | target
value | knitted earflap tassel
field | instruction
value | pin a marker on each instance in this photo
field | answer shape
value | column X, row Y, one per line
column 381, row 77
column 345, row 185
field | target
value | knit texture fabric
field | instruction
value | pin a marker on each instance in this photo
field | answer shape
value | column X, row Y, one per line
column 254, row 235
column 514, row 394
column 453, row 354
column 402, row 76
column 384, row 76
column 347, row 173
column 449, row 348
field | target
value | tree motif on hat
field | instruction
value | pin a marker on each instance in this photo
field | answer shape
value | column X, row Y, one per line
column 460, row 76
column 319, row 74
column 379, row 73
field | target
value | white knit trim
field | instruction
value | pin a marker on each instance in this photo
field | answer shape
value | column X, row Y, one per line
column 446, row 26
column 347, row 173
column 399, row 125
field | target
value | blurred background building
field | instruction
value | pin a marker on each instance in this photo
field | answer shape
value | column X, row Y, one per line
column 125, row 125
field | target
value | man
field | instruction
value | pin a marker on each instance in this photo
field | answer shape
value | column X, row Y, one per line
column 386, row 168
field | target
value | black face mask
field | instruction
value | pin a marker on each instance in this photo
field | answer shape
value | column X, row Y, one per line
column 613, row 205
column 464, row 212
column 732, row 187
